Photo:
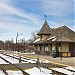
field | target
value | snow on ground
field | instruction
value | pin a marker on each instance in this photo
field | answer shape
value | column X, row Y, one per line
column 3, row 62
column 25, row 53
column 64, row 71
column 33, row 60
column 10, row 72
column 70, row 68
column 44, row 61
column 29, row 53
column 38, row 71
column 35, row 70
column 2, row 73
column 10, row 59
column 28, row 60
column 32, row 71
column 24, row 58
column 41, row 71
column 45, row 70
column 13, row 60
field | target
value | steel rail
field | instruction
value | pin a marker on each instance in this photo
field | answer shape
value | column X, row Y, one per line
column 4, row 70
column 24, row 73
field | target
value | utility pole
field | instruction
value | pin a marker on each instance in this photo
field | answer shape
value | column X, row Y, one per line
column 16, row 40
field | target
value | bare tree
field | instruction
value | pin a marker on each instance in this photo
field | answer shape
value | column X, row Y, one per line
column 1, row 44
column 33, row 36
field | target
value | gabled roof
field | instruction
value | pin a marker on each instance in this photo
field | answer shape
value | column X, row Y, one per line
column 46, row 30
column 63, row 34
column 60, row 34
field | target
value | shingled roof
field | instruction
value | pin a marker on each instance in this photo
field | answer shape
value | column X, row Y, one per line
column 60, row 34
column 46, row 30
column 63, row 34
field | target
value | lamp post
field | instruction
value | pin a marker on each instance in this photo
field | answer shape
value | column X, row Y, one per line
column 17, row 38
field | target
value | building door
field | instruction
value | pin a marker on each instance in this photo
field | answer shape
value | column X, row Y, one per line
column 72, row 47
column 58, row 45
column 40, row 46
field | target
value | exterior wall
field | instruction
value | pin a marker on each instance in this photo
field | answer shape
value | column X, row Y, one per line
column 43, row 47
column 38, row 48
column 44, row 37
column 43, row 51
column 72, row 47
column 65, row 47
column 50, row 49
column 59, row 49
column 53, row 47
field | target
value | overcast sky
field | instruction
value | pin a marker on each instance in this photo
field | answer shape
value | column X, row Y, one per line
column 26, row 16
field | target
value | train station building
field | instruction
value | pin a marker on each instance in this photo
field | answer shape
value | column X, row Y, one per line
column 60, row 40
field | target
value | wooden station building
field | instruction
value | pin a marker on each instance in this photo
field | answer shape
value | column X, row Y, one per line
column 60, row 40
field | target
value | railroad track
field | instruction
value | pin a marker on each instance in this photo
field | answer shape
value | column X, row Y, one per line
column 17, row 58
column 4, row 70
column 24, row 73
column 45, row 65
column 41, row 64
column 48, row 65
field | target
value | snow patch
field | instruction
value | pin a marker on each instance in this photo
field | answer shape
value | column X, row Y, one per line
column 51, row 38
column 41, row 71
column 10, row 72
column 36, row 40
column 2, row 73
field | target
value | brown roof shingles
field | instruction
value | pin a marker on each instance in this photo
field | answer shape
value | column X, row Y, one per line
column 45, row 29
column 62, row 33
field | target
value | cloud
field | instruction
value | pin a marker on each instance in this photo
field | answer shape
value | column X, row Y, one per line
column 58, row 8
column 11, row 35
column 16, row 27
column 8, row 9
column 12, row 29
column 13, row 20
column 15, row 17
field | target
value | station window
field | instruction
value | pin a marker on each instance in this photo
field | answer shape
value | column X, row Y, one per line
column 41, row 37
column 46, row 47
